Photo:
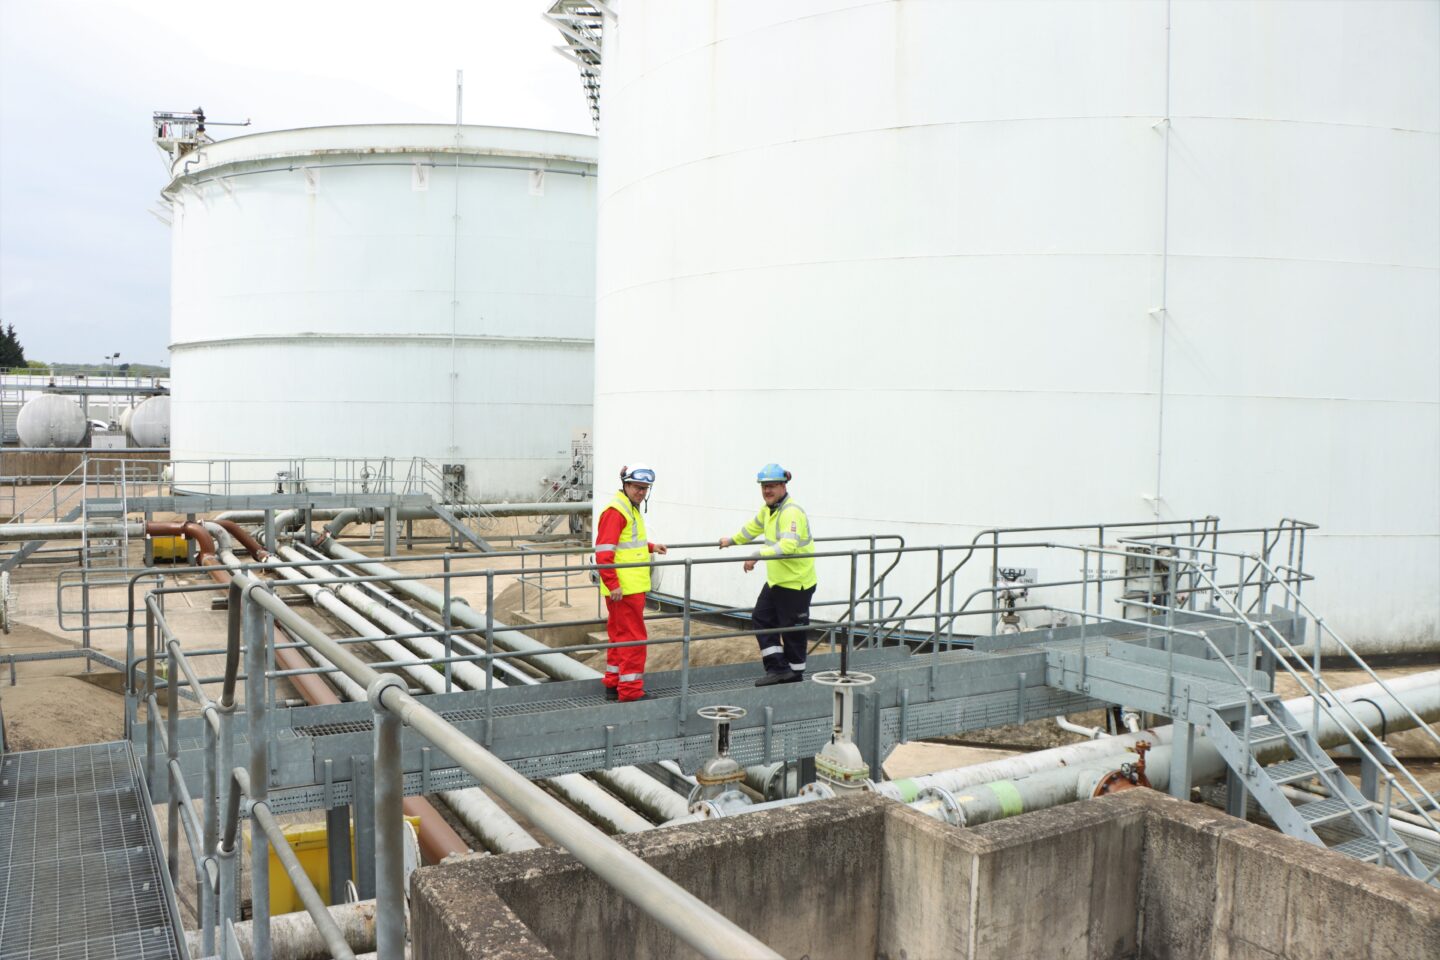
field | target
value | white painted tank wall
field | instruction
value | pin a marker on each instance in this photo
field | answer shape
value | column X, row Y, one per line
column 312, row 285
column 914, row 251
column 51, row 420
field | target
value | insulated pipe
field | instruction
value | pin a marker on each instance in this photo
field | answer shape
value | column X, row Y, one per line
column 596, row 803
column 294, row 936
column 634, row 785
column 557, row 665
column 484, row 818
column 12, row 532
column 682, row 913
column 344, row 518
column 1421, row 692
column 438, row 839
column 560, row 666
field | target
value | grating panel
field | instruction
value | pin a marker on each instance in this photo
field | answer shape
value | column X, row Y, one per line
column 80, row 873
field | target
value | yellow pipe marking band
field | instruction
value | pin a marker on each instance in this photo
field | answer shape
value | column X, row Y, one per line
column 1009, row 797
column 908, row 790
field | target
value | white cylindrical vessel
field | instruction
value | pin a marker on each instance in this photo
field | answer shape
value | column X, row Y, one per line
column 384, row 291
column 962, row 266
column 51, row 420
column 149, row 424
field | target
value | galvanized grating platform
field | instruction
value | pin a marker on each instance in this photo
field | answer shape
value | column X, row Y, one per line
column 80, row 869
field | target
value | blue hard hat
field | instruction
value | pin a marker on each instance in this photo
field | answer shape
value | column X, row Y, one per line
column 773, row 473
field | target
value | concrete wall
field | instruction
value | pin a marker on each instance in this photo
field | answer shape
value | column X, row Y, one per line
column 1133, row 875
column 806, row 882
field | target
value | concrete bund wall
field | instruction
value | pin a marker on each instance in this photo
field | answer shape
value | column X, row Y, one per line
column 806, row 883
column 1134, row 875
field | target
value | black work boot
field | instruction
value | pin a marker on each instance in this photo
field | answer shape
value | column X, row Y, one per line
column 770, row 679
column 611, row 693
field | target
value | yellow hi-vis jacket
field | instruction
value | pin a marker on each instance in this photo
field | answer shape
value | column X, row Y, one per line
column 788, row 546
column 632, row 547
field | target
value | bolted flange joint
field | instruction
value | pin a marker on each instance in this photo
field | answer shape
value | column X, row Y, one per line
column 376, row 690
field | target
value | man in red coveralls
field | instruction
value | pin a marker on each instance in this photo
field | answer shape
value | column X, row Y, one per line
column 620, row 539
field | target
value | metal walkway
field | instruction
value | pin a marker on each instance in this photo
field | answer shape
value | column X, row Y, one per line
column 81, row 873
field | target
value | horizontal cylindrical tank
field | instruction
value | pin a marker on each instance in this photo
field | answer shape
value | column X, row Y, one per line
column 963, row 266
column 51, row 420
column 125, row 417
column 384, row 291
column 149, row 425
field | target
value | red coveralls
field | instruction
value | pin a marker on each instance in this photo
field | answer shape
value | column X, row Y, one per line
column 625, row 619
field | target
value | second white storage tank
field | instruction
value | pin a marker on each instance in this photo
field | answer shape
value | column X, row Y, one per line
column 384, row 291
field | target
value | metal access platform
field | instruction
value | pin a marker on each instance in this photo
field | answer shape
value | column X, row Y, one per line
column 82, row 873
column 568, row 727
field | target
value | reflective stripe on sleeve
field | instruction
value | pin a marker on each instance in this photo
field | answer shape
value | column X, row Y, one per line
column 602, row 547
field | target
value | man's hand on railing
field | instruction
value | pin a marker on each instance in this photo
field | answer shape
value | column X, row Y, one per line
column 726, row 542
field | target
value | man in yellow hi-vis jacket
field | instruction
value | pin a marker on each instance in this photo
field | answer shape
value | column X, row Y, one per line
column 789, row 577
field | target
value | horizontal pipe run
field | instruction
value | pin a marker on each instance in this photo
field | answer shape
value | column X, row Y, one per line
column 1421, row 692
column 294, row 936
column 689, row 918
column 372, row 617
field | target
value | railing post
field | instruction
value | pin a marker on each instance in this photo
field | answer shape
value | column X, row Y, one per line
column 256, row 713
column 685, row 648
column 389, row 823
column 446, row 620
column 172, row 752
column 854, row 602
column 211, row 812
column 225, row 782
column 490, row 650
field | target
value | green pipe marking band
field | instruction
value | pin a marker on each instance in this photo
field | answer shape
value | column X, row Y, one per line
column 908, row 790
column 1009, row 797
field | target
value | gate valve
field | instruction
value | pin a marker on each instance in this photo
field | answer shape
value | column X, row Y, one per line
column 720, row 774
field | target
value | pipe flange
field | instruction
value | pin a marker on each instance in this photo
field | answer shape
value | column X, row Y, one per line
column 818, row 790
column 947, row 803
column 376, row 690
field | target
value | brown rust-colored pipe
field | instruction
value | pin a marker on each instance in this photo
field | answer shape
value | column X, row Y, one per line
column 437, row 838
column 203, row 542
column 243, row 537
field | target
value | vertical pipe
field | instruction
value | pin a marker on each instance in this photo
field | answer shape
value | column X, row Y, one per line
column 255, row 709
column 390, row 518
column 337, row 841
column 685, row 648
column 449, row 640
column 225, row 783
column 172, row 752
column 149, row 693
column 490, row 647
column 207, row 893
column 389, row 824
column 363, row 791
column 270, row 542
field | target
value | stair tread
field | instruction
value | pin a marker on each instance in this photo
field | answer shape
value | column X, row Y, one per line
column 1297, row 769
column 1360, row 848
column 1319, row 811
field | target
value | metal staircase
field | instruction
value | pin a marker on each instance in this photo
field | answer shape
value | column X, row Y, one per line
column 1214, row 668
column 1232, row 730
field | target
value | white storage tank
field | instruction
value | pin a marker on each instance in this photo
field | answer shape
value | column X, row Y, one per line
column 384, row 291
column 149, row 424
column 51, row 420
column 961, row 266
column 125, row 417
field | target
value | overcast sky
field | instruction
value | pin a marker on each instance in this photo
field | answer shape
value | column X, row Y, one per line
column 84, row 269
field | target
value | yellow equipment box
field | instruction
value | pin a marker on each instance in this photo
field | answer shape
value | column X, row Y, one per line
column 170, row 549
column 312, row 849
